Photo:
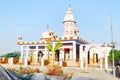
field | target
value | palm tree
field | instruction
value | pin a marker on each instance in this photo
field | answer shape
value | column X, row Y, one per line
column 52, row 48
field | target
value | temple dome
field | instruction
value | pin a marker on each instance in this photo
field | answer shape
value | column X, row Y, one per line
column 48, row 34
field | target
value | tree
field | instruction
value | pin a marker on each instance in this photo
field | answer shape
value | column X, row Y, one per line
column 52, row 48
column 116, row 54
column 12, row 54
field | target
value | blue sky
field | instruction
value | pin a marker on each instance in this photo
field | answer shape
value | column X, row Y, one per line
column 31, row 17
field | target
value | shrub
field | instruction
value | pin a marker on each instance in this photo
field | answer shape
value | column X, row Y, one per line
column 46, row 62
column 64, row 64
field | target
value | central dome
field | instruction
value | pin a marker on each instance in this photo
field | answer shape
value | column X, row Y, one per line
column 48, row 34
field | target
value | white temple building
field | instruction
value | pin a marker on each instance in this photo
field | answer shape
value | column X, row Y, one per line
column 75, row 51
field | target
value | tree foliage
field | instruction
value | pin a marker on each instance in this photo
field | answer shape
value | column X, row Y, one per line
column 57, row 45
column 11, row 54
column 116, row 54
column 53, row 49
column 50, row 46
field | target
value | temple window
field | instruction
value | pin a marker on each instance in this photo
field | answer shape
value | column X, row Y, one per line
column 71, row 24
column 66, row 32
column 83, row 48
column 75, row 33
column 67, row 25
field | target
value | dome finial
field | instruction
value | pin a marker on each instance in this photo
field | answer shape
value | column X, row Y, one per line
column 20, row 37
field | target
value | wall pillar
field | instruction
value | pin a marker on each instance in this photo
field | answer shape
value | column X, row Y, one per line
column 62, row 53
column 101, row 63
column 45, row 53
column 11, row 61
column 81, row 56
column 81, row 61
column 21, row 57
column 21, row 51
column 26, row 57
column 42, row 61
column 106, row 62
column 106, row 57
column 71, row 54
column 36, row 55
column 74, row 50
column 86, row 60
column 60, row 57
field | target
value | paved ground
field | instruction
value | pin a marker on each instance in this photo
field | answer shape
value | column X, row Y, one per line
column 80, row 74
column 91, row 73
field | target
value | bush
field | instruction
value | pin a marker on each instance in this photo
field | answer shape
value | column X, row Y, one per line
column 54, row 70
column 46, row 62
column 15, row 60
column 64, row 64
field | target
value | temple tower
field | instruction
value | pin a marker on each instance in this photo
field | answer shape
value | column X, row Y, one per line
column 70, row 29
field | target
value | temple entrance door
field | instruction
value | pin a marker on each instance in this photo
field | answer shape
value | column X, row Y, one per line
column 66, row 54
column 88, row 57
column 95, row 58
column 40, row 55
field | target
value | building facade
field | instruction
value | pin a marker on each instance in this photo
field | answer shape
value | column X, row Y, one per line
column 75, row 51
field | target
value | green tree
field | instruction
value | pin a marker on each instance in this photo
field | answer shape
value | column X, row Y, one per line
column 116, row 54
column 12, row 54
column 53, row 49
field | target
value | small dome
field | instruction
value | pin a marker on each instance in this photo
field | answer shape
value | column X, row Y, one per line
column 48, row 34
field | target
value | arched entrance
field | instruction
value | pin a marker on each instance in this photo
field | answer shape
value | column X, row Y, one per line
column 92, row 56
column 66, row 54
column 40, row 55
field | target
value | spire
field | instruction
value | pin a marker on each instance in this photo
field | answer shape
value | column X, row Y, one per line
column 69, row 15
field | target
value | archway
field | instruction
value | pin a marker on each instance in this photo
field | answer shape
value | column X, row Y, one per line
column 40, row 55
column 66, row 54
column 92, row 56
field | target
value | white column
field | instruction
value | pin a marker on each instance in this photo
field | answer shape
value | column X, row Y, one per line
column 21, row 57
column 106, row 62
column 81, row 56
column 71, row 54
column 101, row 63
column 42, row 61
column 11, row 61
column 26, row 57
column 106, row 58
column 74, row 50
column 86, row 59
column 21, row 51
column 62, row 53
column 45, row 53
column 60, row 57
column 81, row 60
column 36, row 55
column 101, row 55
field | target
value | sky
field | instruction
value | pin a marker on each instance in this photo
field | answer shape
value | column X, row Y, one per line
column 30, row 18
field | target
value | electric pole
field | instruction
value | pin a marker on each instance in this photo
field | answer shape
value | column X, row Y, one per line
column 112, row 47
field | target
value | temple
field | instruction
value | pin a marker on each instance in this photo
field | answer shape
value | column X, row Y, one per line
column 74, row 52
